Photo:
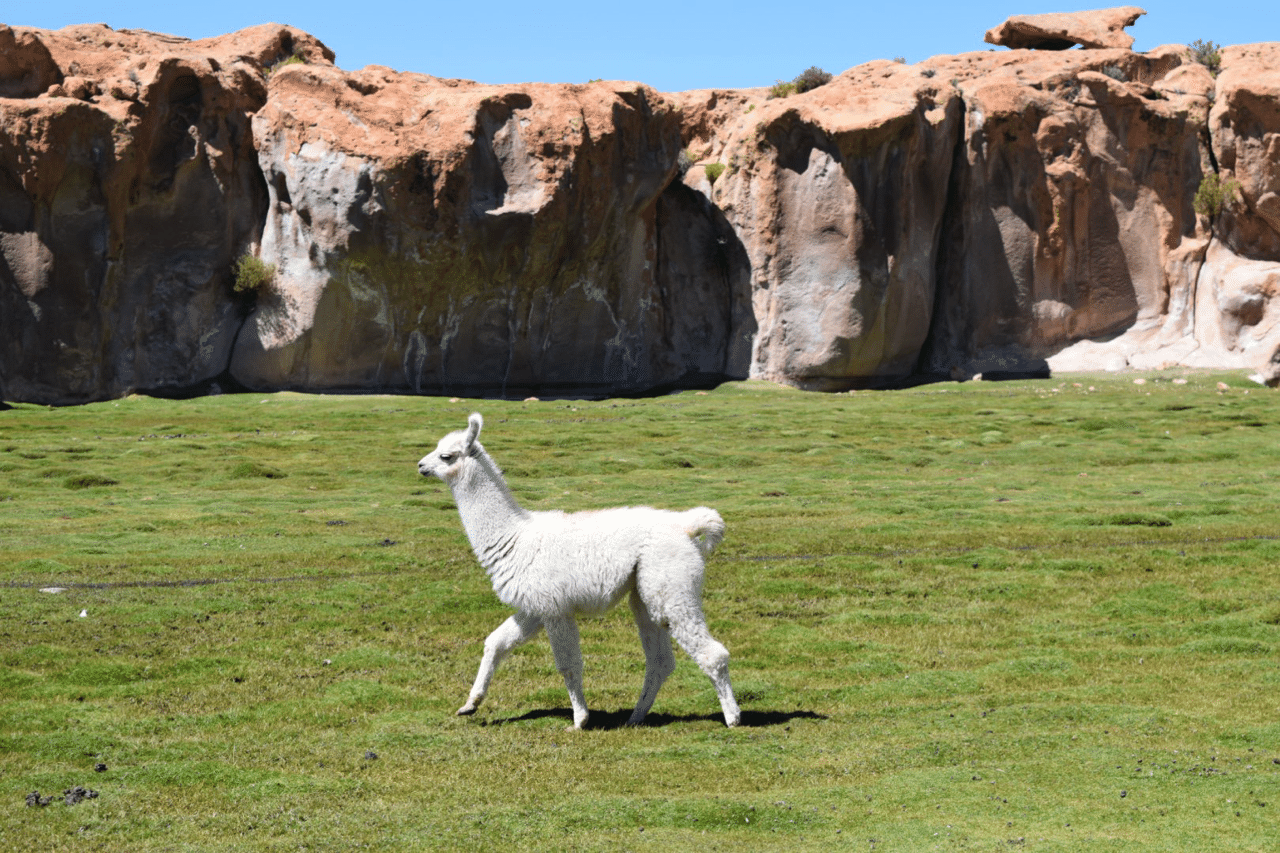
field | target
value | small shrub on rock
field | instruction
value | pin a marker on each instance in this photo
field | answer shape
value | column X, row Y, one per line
column 1208, row 54
column 810, row 79
column 782, row 89
column 253, row 274
column 714, row 170
column 292, row 59
column 1214, row 194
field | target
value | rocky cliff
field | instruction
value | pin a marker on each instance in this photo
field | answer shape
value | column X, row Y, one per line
column 995, row 211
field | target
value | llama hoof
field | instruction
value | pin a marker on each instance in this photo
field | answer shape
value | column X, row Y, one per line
column 467, row 710
column 733, row 721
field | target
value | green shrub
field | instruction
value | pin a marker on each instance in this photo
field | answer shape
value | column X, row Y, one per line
column 714, row 170
column 253, row 273
column 1214, row 194
column 811, row 78
column 782, row 89
column 1208, row 54
column 292, row 59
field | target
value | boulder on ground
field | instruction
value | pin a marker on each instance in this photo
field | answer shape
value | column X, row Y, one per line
column 1270, row 370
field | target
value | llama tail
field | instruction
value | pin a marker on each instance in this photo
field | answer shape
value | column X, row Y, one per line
column 705, row 527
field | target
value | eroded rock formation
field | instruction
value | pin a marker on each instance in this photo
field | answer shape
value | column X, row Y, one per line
column 441, row 236
column 1100, row 28
column 995, row 211
column 838, row 197
column 128, row 183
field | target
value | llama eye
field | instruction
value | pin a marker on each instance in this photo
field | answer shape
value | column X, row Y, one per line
column 446, row 457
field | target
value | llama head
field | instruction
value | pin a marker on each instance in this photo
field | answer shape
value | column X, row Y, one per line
column 453, row 450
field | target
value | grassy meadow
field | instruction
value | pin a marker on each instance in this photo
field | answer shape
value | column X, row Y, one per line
column 1034, row 615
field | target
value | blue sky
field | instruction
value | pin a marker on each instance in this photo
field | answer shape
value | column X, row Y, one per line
column 668, row 45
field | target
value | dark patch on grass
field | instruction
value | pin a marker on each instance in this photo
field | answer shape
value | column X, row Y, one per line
column 88, row 481
column 249, row 470
column 1130, row 519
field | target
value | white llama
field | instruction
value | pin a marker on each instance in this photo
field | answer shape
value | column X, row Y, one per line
column 553, row 566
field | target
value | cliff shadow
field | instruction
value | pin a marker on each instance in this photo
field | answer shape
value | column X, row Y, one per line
column 704, row 281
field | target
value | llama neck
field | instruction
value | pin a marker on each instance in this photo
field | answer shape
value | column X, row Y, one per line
column 490, row 514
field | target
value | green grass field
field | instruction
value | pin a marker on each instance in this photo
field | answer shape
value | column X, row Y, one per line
column 1039, row 615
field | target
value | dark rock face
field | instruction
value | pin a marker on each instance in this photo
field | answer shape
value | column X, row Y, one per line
column 1070, row 205
column 982, row 213
column 838, row 197
column 502, row 240
column 122, row 210
column 26, row 67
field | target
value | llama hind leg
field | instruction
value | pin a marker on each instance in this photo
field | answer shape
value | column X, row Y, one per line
column 659, row 661
column 690, row 631
column 567, row 648
column 511, row 633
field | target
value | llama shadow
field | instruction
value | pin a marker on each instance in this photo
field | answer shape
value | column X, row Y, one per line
column 611, row 720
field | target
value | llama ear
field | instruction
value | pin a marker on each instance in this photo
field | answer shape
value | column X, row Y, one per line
column 474, row 423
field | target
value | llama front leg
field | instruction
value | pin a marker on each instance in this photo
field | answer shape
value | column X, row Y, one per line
column 659, row 661
column 511, row 633
column 566, row 646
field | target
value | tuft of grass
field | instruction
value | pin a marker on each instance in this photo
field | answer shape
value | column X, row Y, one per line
column 782, row 89
column 252, row 274
column 957, row 617
column 714, row 171
column 88, row 481
column 292, row 59
column 249, row 470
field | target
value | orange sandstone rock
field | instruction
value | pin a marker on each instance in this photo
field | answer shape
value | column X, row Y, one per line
column 1100, row 28
column 986, row 213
